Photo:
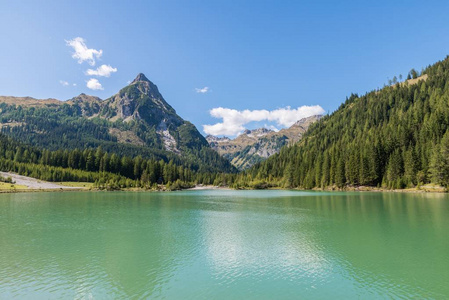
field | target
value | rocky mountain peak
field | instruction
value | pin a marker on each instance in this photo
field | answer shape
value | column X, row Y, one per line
column 144, row 86
column 85, row 98
column 253, row 146
column 140, row 77
column 307, row 121
column 141, row 101
column 215, row 139
column 261, row 131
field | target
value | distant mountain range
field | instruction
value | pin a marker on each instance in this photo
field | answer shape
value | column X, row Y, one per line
column 135, row 121
column 253, row 146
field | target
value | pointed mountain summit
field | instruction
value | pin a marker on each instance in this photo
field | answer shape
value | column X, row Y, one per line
column 142, row 107
column 141, row 100
column 140, row 77
column 135, row 121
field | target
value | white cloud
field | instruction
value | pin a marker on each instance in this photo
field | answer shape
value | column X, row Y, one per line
column 103, row 70
column 234, row 120
column 94, row 84
column 64, row 83
column 82, row 53
column 74, row 84
column 272, row 127
column 203, row 90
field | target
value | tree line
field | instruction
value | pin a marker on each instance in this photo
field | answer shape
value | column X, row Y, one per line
column 63, row 126
column 396, row 137
column 106, row 170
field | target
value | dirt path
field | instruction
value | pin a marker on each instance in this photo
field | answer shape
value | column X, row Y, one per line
column 35, row 184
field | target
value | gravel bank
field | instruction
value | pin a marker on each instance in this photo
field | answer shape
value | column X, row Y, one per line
column 35, row 184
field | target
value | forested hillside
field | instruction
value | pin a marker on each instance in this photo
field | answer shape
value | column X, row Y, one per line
column 137, row 121
column 395, row 137
column 107, row 171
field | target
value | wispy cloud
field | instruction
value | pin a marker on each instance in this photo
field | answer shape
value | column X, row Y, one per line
column 103, row 70
column 234, row 120
column 94, row 84
column 63, row 83
column 82, row 53
column 203, row 90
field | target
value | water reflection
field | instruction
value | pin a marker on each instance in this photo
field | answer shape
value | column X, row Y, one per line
column 259, row 240
column 75, row 247
column 223, row 244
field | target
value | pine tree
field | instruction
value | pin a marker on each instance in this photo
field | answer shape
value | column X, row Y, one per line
column 90, row 161
column 340, row 179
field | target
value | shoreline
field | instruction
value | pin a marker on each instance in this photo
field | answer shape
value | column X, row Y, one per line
column 25, row 184
column 428, row 188
column 216, row 188
column 201, row 187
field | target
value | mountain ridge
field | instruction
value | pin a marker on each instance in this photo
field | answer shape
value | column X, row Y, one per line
column 253, row 146
column 136, row 117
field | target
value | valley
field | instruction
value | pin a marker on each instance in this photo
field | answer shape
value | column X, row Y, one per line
column 253, row 146
column 135, row 139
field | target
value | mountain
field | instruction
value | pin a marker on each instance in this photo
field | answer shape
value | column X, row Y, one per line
column 253, row 146
column 225, row 145
column 135, row 121
column 396, row 137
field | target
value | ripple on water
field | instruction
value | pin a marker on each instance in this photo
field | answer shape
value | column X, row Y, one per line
column 223, row 244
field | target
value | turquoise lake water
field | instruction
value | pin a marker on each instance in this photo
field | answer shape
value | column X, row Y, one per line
column 224, row 245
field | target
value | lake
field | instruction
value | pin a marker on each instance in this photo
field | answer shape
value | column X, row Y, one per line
column 224, row 245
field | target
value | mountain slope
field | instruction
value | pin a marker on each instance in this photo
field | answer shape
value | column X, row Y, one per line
column 254, row 146
column 395, row 137
column 135, row 121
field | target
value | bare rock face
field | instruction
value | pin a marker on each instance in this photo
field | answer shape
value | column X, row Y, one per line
column 294, row 133
column 257, row 132
column 140, row 77
column 215, row 139
column 167, row 138
column 141, row 100
column 253, row 146
column 126, row 107
column 140, row 105
column 135, row 121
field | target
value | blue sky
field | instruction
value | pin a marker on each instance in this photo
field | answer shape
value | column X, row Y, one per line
column 252, row 55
